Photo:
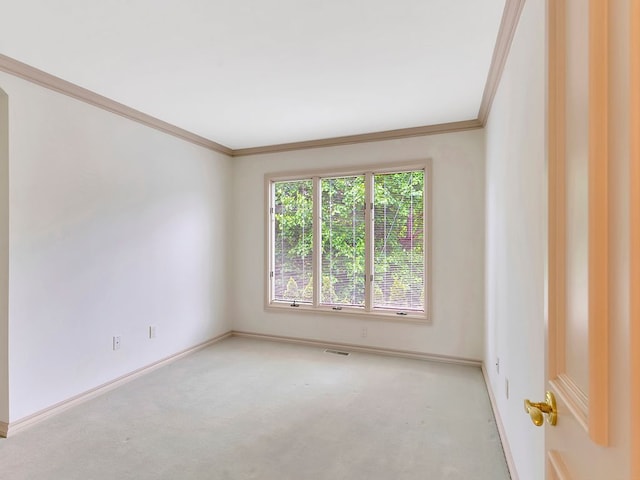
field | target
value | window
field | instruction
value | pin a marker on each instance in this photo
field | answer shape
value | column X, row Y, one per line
column 293, row 241
column 343, row 241
column 350, row 242
column 399, row 240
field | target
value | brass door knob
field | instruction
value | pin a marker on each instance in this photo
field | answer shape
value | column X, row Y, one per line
column 537, row 411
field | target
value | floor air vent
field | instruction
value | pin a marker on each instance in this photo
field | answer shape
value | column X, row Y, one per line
column 337, row 352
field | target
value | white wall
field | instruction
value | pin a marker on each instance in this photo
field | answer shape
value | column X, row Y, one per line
column 458, row 247
column 113, row 227
column 516, row 226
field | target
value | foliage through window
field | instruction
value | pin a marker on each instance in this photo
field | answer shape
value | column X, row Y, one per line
column 399, row 241
column 355, row 241
column 343, row 241
column 293, row 241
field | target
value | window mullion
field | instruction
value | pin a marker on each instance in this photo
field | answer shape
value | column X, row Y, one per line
column 368, row 242
column 272, row 233
column 317, row 241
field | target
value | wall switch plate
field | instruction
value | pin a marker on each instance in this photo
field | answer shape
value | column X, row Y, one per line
column 498, row 365
column 152, row 331
column 116, row 343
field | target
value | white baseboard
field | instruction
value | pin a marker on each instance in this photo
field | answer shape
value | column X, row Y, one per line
column 501, row 431
column 363, row 349
column 11, row 428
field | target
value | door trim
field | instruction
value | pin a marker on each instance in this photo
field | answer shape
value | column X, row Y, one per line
column 557, row 468
column 634, row 254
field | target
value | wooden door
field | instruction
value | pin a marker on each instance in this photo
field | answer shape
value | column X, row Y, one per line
column 634, row 210
column 578, row 282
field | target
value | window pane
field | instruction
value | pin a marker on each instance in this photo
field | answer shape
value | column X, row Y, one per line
column 343, row 247
column 293, row 241
column 398, row 243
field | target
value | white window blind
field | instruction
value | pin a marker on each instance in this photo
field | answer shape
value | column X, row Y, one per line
column 343, row 241
column 350, row 242
column 293, row 241
column 399, row 260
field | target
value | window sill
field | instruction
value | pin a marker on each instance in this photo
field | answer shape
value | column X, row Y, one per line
column 383, row 315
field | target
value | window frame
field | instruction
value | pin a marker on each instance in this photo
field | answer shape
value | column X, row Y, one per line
column 368, row 311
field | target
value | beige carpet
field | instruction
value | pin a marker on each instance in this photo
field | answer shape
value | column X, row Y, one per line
column 250, row 409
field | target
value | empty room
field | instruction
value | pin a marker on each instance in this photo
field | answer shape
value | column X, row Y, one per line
column 320, row 240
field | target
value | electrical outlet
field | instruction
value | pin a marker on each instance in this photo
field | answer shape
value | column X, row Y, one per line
column 116, row 343
column 152, row 331
column 506, row 387
column 364, row 332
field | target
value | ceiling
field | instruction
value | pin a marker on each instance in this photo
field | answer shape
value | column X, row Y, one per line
column 249, row 73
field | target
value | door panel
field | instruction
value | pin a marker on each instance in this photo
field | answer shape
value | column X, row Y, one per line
column 576, row 156
column 578, row 326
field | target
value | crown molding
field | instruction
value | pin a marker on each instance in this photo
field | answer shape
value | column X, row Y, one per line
column 27, row 72
column 508, row 24
column 362, row 138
